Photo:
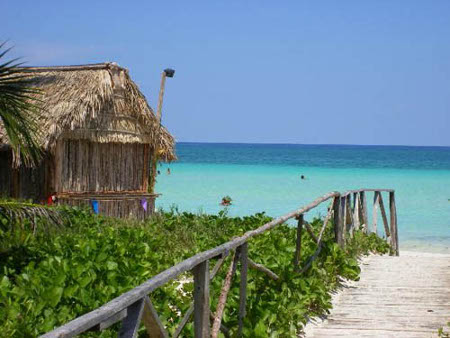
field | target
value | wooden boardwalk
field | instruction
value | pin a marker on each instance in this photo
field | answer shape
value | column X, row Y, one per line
column 406, row 296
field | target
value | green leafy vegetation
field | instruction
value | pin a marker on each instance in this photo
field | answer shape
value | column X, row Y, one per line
column 52, row 277
column 442, row 333
column 29, row 216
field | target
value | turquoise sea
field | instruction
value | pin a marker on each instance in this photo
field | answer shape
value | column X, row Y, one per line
column 266, row 177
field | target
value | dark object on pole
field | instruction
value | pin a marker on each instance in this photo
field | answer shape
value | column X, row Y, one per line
column 169, row 72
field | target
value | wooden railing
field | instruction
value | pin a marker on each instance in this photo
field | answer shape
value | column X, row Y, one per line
column 348, row 212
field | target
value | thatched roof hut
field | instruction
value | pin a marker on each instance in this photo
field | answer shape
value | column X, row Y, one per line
column 98, row 133
column 98, row 102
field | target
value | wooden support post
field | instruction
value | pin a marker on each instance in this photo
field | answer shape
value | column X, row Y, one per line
column 336, row 220
column 364, row 211
column 243, row 287
column 310, row 231
column 356, row 208
column 340, row 225
column 184, row 321
column 361, row 212
column 374, row 213
column 394, row 228
column 130, row 324
column 201, row 300
column 349, row 221
column 155, row 329
column 298, row 246
column 189, row 312
column 383, row 216
column 262, row 268
column 217, row 320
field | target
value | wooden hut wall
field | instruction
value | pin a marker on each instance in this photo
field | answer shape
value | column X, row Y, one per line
column 26, row 183
column 115, row 206
column 90, row 166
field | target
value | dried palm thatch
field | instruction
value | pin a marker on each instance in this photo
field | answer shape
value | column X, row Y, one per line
column 97, row 102
column 15, row 213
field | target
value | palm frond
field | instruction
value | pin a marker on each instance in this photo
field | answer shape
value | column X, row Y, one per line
column 19, row 111
column 16, row 213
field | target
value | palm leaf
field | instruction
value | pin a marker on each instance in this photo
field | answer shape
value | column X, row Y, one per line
column 14, row 213
column 19, row 111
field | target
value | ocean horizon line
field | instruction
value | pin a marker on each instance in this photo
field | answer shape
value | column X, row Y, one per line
column 314, row 144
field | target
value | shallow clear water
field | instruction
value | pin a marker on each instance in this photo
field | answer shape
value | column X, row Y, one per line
column 267, row 178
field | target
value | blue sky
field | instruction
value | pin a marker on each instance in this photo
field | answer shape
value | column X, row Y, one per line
column 343, row 72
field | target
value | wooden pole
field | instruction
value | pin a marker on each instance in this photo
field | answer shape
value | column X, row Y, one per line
column 349, row 219
column 356, row 212
column 298, row 246
column 243, row 287
column 223, row 296
column 263, row 269
column 201, row 300
column 155, row 329
column 154, row 159
column 161, row 96
column 130, row 324
column 342, row 217
column 364, row 211
column 384, row 217
column 337, row 221
column 394, row 229
column 374, row 213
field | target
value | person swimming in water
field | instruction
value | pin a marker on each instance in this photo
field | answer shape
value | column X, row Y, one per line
column 168, row 171
column 303, row 177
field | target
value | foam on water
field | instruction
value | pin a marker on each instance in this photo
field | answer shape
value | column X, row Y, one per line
column 422, row 195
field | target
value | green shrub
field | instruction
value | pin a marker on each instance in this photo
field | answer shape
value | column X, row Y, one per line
column 52, row 277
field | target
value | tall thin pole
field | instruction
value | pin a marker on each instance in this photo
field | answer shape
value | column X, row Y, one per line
column 152, row 176
column 161, row 95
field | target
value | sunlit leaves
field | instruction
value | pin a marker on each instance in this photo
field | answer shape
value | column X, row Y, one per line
column 50, row 278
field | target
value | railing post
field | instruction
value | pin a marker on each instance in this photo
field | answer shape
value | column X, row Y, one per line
column 243, row 287
column 374, row 212
column 201, row 300
column 394, row 229
column 337, row 220
column 130, row 324
column 298, row 246
column 364, row 211
column 349, row 215
column 356, row 212
column 340, row 225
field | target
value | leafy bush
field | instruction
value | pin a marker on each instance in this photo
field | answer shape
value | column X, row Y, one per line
column 52, row 277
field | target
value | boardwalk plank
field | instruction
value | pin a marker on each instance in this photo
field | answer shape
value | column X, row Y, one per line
column 406, row 296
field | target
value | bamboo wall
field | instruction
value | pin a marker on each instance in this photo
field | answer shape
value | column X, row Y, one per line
column 115, row 205
column 113, row 174
column 91, row 166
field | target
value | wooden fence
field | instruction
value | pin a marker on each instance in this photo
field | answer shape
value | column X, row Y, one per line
column 348, row 212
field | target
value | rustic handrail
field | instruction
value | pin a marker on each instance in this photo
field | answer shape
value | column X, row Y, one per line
column 132, row 305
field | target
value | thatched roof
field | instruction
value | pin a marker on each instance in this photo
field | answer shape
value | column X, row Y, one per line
column 96, row 102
